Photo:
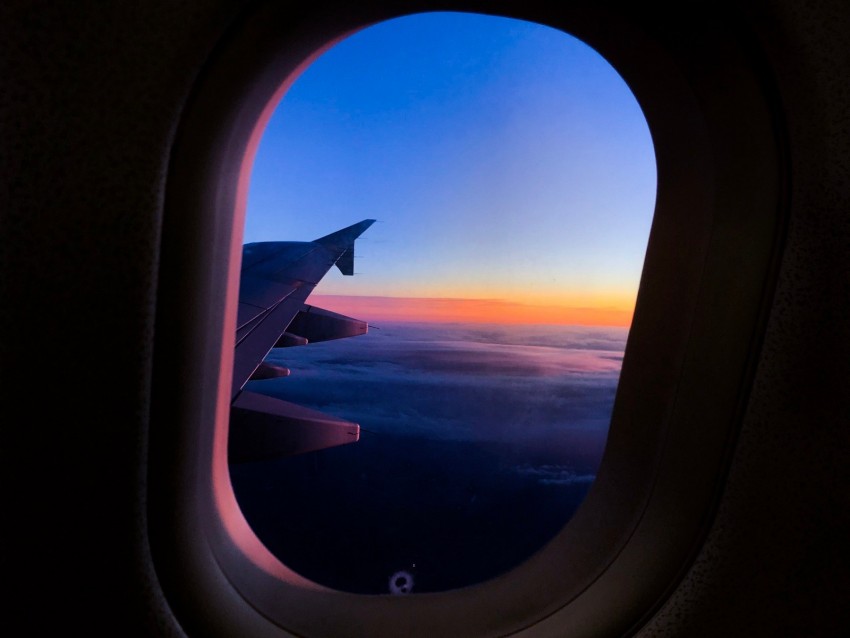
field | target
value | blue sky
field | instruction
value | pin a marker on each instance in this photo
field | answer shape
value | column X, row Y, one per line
column 503, row 160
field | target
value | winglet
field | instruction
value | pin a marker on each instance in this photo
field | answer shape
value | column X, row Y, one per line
column 343, row 240
column 345, row 263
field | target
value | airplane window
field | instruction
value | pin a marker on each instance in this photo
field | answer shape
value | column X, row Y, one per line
column 512, row 177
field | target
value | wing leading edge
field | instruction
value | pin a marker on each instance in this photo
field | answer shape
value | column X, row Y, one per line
column 276, row 279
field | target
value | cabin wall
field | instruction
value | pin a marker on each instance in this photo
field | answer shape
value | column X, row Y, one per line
column 776, row 558
column 90, row 100
column 91, row 96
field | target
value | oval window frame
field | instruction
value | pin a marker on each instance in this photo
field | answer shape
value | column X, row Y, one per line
column 713, row 253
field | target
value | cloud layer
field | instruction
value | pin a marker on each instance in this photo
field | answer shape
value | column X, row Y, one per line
column 477, row 445
column 460, row 381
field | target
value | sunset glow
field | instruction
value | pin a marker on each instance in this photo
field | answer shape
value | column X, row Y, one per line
column 375, row 309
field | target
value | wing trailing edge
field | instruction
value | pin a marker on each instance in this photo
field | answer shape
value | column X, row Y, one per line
column 262, row 428
column 316, row 324
column 276, row 279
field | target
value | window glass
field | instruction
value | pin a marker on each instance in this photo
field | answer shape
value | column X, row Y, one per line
column 512, row 175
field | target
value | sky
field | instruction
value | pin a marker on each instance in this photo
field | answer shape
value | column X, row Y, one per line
column 509, row 167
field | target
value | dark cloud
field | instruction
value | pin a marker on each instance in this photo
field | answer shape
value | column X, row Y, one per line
column 555, row 474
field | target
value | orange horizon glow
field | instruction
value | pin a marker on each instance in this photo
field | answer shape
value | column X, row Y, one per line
column 444, row 309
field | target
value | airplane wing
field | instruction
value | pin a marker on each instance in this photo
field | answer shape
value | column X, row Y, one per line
column 276, row 279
